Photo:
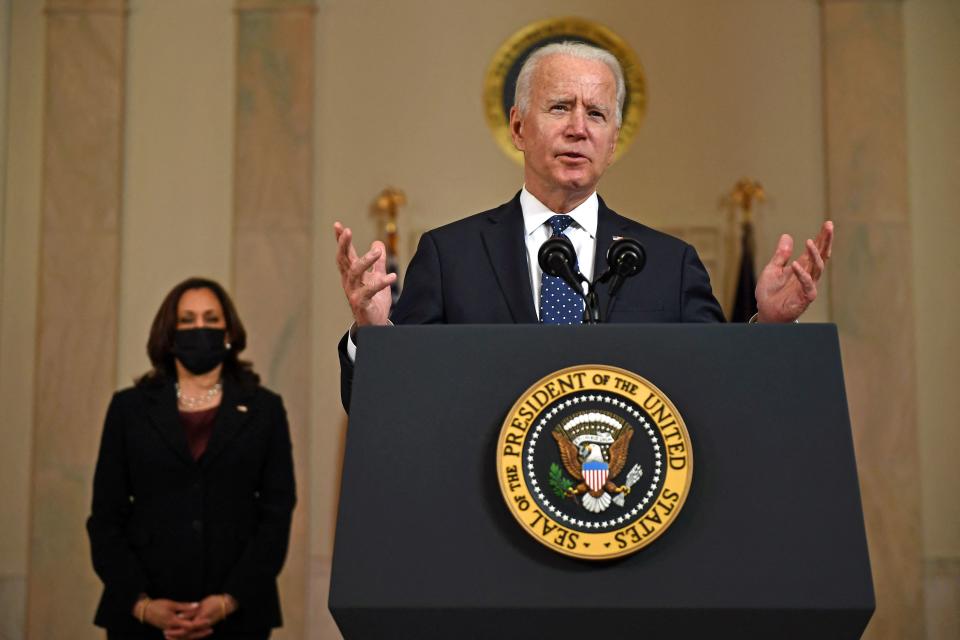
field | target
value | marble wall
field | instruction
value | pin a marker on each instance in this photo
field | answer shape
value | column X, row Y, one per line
column 933, row 136
column 932, row 30
column 20, row 214
column 273, row 233
column 865, row 102
column 76, row 317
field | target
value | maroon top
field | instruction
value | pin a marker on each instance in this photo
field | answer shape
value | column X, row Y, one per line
column 198, row 426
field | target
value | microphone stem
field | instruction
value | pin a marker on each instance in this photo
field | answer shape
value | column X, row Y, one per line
column 593, row 304
column 606, row 312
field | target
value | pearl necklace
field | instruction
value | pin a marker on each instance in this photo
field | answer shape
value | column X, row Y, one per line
column 196, row 402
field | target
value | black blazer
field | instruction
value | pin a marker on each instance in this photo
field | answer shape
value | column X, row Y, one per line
column 170, row 527
column 475, row 271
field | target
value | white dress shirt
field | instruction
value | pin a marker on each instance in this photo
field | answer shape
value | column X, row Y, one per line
column 582, row 233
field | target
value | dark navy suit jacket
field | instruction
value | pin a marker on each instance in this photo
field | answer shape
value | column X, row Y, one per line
column 474, row 271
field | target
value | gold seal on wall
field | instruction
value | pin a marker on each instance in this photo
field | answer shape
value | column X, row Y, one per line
column 501, row 78
column 594, row 462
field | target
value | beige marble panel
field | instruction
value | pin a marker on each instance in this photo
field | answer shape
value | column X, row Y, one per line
column 275, row 5
column 933, row 102
column 13, row 601
column 21, row 161
column 87, row 7
column 943, row 598
column 320, row 624
column 863, row 43
column 274, row 119
column 872, row 301
column 273, row 234
column 4, row 84
column 76, row 346
column 82, row 128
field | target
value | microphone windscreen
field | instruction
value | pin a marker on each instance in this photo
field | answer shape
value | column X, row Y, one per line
column 556, row 252
column 626, row 257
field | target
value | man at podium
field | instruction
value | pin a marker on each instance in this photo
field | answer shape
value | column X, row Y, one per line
column 483, row 269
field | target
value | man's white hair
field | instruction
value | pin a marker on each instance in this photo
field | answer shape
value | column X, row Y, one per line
column 521, row 96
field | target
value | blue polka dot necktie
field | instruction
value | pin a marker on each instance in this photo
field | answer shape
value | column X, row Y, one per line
column 559, row 304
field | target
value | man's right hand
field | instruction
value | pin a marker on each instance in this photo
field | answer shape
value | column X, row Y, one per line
column 365, row 280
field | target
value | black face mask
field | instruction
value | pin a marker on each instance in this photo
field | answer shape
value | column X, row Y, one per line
column 199, row 350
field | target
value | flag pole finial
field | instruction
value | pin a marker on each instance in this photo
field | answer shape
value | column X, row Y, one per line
column 745, row 194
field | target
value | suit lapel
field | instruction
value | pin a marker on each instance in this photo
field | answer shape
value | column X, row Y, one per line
column 507, row 250
column 234, row 410
column 607, row 227
column 163, row 415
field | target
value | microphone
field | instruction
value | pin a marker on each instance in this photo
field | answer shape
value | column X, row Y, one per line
column 625, row 258
column 557, row 257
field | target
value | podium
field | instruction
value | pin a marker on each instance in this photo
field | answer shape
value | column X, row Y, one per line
column 769, row 544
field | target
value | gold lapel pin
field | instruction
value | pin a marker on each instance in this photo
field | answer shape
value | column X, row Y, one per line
column 242, row 408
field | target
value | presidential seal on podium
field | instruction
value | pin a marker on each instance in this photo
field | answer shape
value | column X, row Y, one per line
column 594, row 462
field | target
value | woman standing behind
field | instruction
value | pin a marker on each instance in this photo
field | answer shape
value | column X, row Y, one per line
column 194, row 489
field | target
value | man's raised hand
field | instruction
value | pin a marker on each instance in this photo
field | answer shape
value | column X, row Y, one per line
column 785, row 289
column 365, row 280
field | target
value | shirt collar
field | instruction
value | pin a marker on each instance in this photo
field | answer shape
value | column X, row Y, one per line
column 535, row 213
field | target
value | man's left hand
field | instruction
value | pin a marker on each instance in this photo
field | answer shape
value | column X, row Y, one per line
column 785, row 289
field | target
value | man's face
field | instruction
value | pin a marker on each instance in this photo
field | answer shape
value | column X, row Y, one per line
column 569, row 132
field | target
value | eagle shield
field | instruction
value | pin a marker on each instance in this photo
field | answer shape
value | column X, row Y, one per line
column 595, row 474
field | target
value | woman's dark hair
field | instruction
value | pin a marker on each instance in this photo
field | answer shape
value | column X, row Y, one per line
column 164, row 328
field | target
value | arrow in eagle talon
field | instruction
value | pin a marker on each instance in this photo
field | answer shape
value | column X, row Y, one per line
column 632, row 478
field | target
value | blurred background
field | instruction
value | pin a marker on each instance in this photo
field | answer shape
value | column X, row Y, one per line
column 144, row 141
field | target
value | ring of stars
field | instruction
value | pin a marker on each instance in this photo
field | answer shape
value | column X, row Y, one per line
column 611, row 522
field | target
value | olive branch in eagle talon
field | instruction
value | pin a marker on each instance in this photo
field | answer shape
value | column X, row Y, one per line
column 578, row 460
column 559, row 482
